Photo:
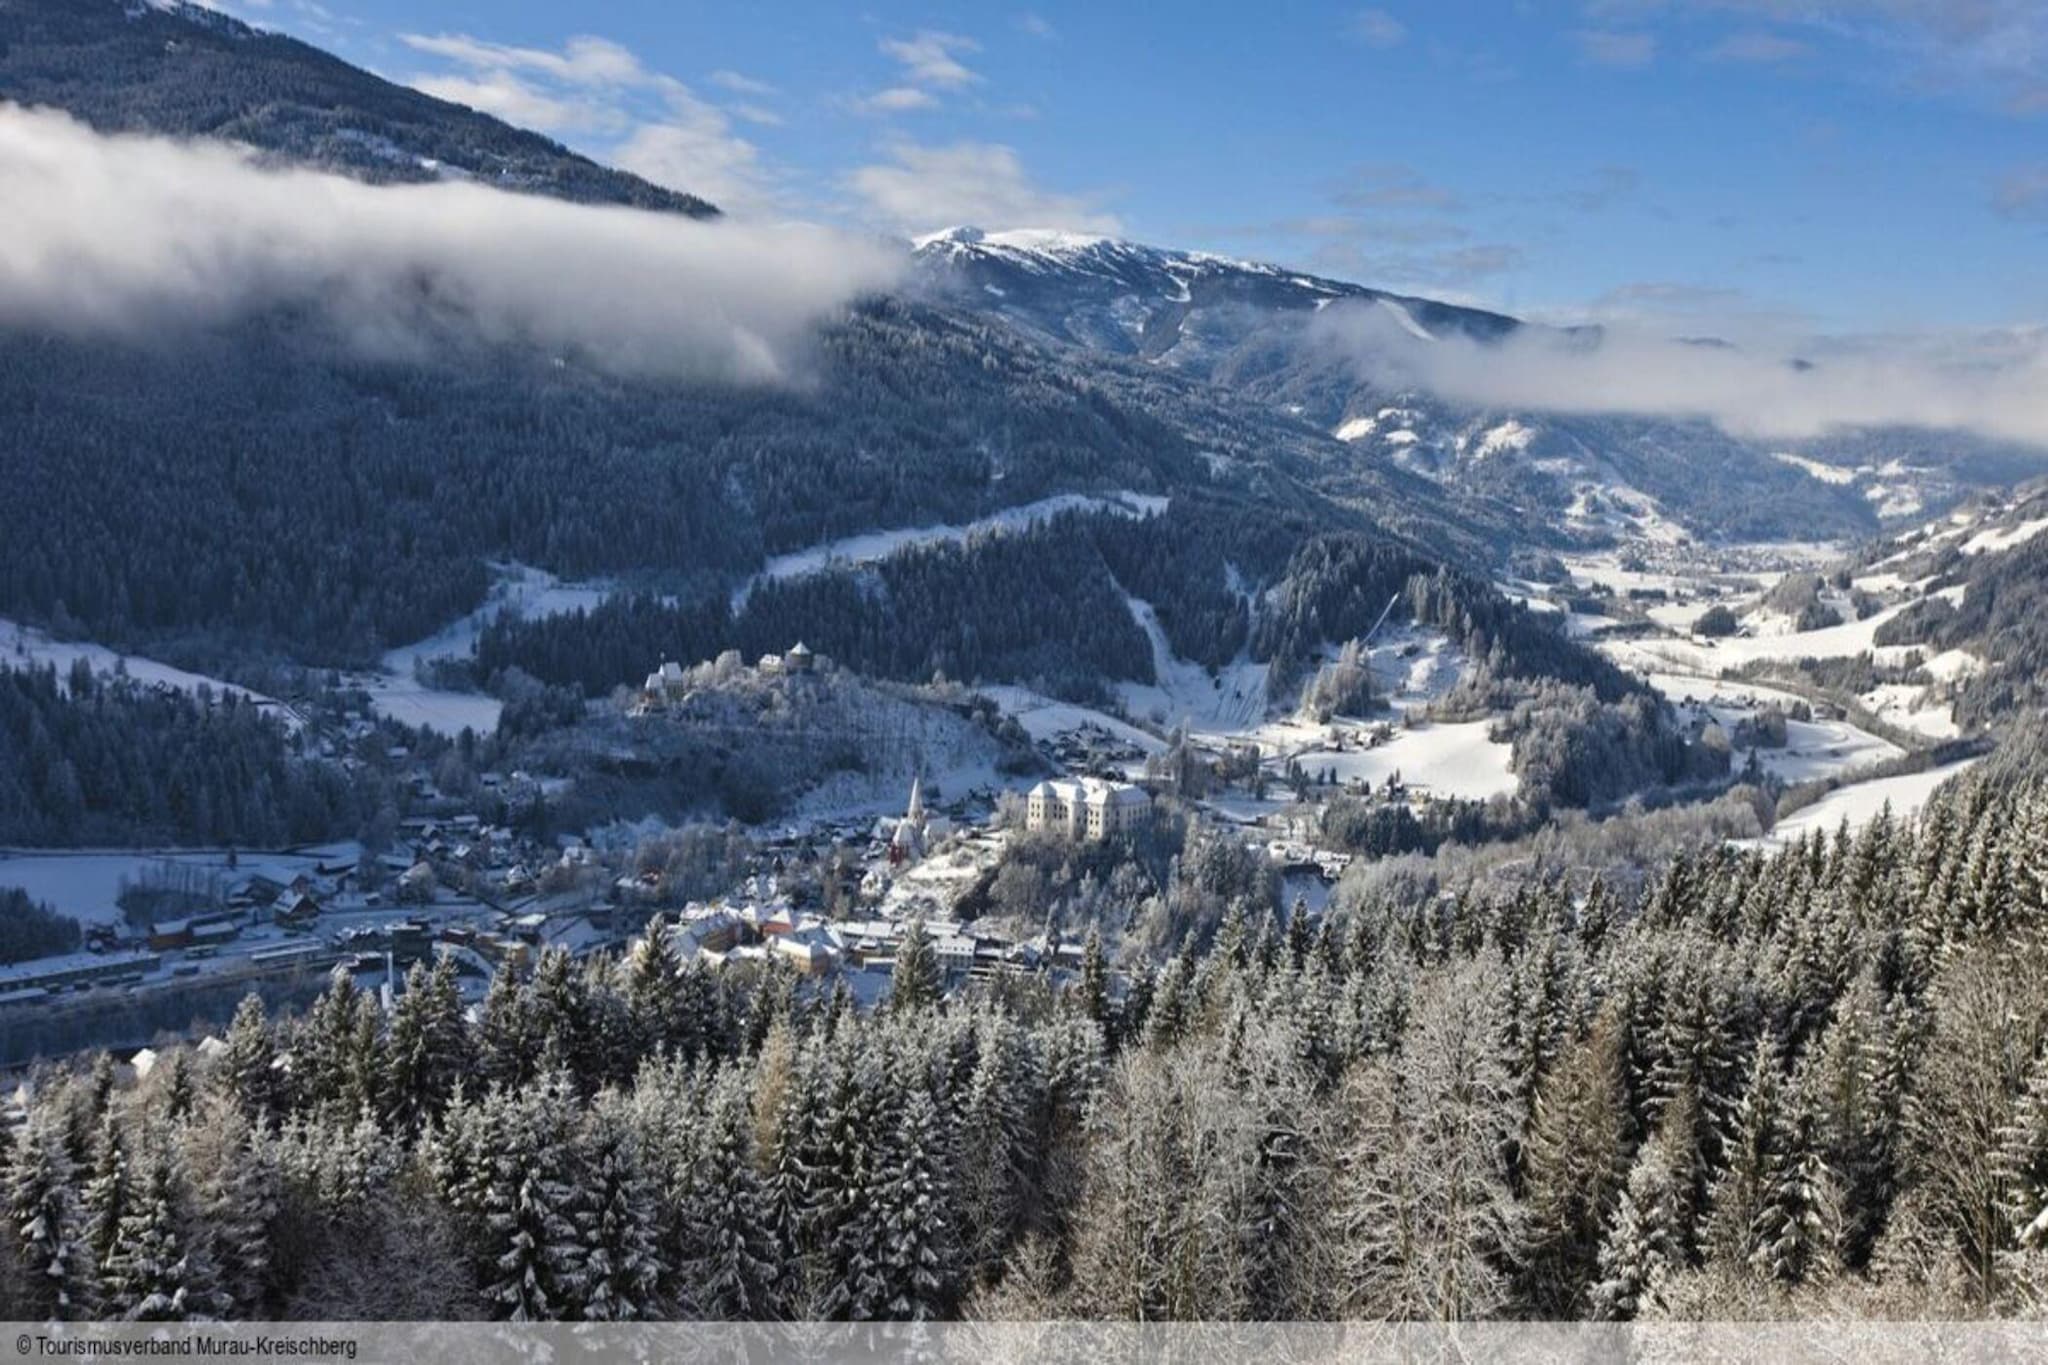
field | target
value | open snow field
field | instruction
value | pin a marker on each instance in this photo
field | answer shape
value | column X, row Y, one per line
column 1231, row 701
column 27, row 647
column 399, row 697
column 1859, row 804
column 1707, row 658
column 1045, row 718
column 520, row 591
column 1459, row 760
column 871, row 546
column 84, row 883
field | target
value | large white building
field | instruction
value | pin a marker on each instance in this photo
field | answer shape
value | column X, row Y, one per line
column 1087, row 807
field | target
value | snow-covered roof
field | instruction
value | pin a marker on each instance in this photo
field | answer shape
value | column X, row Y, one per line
column 1094, row 791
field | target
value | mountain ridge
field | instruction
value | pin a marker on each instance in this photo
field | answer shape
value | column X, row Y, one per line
column 181, row 69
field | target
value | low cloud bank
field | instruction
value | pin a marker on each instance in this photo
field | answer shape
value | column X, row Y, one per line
column 1994, row 385
column 130, row 234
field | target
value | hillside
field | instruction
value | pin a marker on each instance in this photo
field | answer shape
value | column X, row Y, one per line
column 1292, row 342
column 132, row 66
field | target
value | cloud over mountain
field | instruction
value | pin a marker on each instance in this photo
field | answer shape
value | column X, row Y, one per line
column 130, row 234
column 1990, row 384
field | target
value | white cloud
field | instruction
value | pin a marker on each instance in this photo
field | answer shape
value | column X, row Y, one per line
column 138, row 235
column 741, row 84
column 982, row 183
column 1611, row 47
column 583, row 60
column 650, row 123
column 691, row 148
column 928, row 58
column 504, row 95
column 1988, row 384
column 897, row 99
column 1377, row 28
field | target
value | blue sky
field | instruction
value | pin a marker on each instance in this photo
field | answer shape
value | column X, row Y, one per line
column 1723, row 167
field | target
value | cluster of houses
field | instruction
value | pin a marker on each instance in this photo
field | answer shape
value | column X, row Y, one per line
column 720, row 933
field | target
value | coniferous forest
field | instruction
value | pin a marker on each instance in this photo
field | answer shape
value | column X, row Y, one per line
column 1804, row 1084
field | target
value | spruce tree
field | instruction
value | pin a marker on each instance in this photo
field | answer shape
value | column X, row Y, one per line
column 246, row 1069
column 44, row 1215
column 618, row 1238
column 238, row 1203
column 727, row 1268
column 158, row 1269
column 533, row 1265
column 915, row 1222
column 915, row 983
column 1645, row 1241
column 107, row 1190
column 1750, row 1177
column 652, row 973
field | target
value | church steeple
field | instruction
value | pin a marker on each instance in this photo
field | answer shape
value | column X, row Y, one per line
column 915, row 815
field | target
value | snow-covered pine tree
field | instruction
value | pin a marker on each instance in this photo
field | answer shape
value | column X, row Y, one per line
column 914, row 1216
column 48, row 1226
column 336, row 1060
column 411, row 1091
column 616, row 1225
column 237, row 1182
column 700, row 1025
column 650, row 976
column 508, row 1043
column 562, row 1012
column 916, row 982
column 1798, row 1232
column 788, row 1194
column 996, row 1176
column 1645, row 1240
column 862, row 1106
column 1752, row 1167
column 1172, row 1005
column 246, row 1069
column 531, row 1253
column 177, row 1089
column 2023, row 1162
column 1859, row 1115
column 106, row 1199
column 158, row 1269
column 1091, row 992
column 726, row 1265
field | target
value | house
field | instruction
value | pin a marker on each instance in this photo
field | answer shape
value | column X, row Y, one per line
column 813, row 955
column 955, row 952
column 296, row 909
column 258, row 890
column 174, row 933
column 1088, row 807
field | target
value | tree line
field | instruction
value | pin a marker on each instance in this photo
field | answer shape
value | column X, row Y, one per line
column 1799, row 1084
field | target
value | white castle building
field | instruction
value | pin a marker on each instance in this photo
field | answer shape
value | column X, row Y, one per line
column 1087, row 807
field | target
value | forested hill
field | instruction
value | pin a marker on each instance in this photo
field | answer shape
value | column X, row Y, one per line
column 258, row 488
column 129, row 66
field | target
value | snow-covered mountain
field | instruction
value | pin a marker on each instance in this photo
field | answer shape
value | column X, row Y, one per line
column 1190, row 308
column 1269, row 333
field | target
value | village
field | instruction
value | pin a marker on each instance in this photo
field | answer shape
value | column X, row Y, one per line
column 829, row 896
column 829, row 889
